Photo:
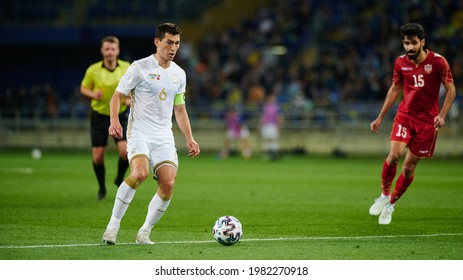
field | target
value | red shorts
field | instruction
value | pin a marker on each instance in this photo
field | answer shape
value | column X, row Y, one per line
column 419, row 137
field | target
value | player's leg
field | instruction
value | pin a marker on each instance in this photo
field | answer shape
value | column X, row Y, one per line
column 396, row 150
column 121, row 145
column 401, row 186
column 230, row 137
column 123, row 163
column 274, row 141
column 244, row 143
column 165, row 172
column 165, row 175
column 99, row 138
column 422, row 145
column 406, row 177
column 265, row 141
column 98, row 153
column 139, row 172
column 99, row 169
column 390, row 164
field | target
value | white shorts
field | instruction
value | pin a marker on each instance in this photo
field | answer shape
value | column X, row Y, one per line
column 242, row 134
column 270, row 131
column 158, row 155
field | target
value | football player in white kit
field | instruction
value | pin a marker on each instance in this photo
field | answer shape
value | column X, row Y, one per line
column 156, row 86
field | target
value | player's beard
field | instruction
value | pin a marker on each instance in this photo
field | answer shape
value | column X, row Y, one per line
column 413, row 56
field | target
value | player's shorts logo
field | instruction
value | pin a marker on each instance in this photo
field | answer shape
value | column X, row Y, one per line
column 428, row 68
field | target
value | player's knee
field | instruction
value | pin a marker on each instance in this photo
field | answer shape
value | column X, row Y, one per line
column 98, row 159
column 139, row 174
column 394, row 157
column 166, row 187
column 167, row 184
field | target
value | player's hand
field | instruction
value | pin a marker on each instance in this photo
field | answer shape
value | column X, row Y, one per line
column 374, row 125
column 115, row 130
column 98, row 95
column 438, row 121
column 193, row 149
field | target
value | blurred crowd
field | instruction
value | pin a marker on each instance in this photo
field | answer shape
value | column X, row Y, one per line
column 318, row 54
column 313, row 55
column 42, row 101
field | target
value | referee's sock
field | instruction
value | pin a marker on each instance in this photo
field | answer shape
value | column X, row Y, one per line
column 122, row 166
column 100, row 176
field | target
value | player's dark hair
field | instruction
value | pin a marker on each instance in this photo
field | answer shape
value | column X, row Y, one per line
column 168, row 27
column 412, row 29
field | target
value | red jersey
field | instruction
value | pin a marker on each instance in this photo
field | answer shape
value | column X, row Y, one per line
column 421, row 86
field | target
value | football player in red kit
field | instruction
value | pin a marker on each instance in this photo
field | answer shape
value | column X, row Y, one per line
column 419, row 73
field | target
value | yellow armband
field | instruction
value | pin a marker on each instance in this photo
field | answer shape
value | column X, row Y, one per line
column 179, row 99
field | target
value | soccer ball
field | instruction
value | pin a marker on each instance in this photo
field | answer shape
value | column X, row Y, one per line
column 36, row 154
column 227, row 230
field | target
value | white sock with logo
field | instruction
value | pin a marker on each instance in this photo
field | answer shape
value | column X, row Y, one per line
column 156, row 209
column 124, row 196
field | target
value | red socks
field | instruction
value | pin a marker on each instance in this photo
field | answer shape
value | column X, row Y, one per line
column 400, row 188
column 387, row 176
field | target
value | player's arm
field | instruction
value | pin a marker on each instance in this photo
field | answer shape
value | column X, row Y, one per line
column 115, row 128
column 90, row 93
column 391, row 97
column 127, row 101
column 183, row 122
column 439, row 120
column 88, row 84
column 127, row 84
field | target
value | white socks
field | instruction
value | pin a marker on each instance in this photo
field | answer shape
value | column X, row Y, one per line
column 156, row 209
column 124, row 196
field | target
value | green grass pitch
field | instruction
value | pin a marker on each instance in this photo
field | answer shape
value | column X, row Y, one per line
column 299, row 208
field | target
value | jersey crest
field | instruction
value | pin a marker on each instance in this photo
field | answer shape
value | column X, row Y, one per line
column 154, row 76
column 428, row 68
column 175, row 79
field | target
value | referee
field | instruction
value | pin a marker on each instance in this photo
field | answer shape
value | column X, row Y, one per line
column 99, row 83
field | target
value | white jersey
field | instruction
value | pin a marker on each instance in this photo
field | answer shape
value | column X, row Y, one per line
column 152, row 90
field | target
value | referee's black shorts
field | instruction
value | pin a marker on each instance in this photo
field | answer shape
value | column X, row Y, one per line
column 99, row 125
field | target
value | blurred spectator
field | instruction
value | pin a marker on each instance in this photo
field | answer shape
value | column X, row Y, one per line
column 236, row 132
column 52, row 101
column 270, row 123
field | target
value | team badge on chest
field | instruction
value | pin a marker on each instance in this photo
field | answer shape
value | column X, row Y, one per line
column 428, row 68
column 154, row 76
column 175, row 79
